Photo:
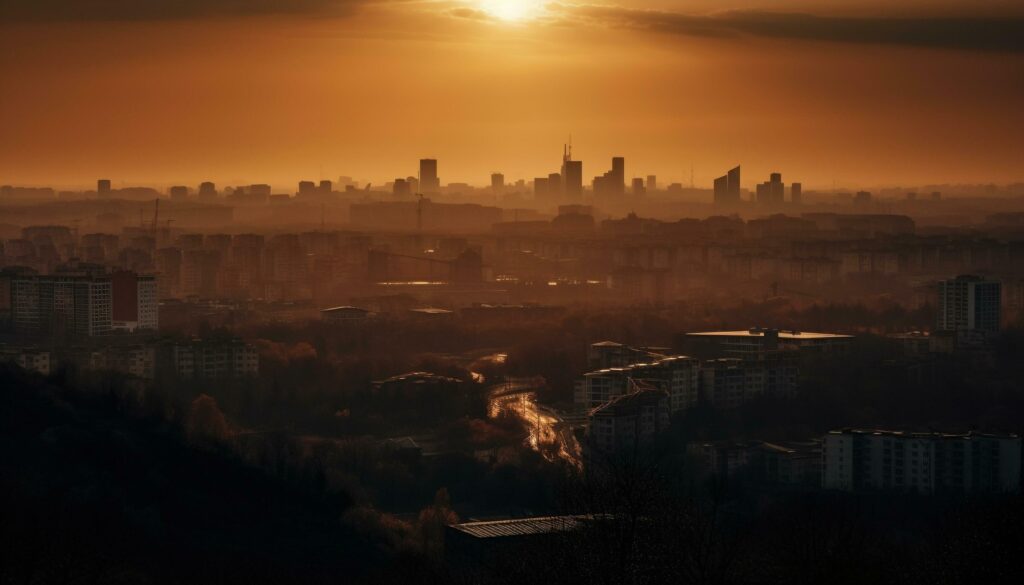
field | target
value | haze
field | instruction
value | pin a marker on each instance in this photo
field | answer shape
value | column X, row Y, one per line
column 268, row 91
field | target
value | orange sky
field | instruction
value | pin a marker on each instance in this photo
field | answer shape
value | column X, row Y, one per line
column 367, row 88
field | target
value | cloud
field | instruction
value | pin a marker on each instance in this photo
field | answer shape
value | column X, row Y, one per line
column 984, row 34
column 85, row 10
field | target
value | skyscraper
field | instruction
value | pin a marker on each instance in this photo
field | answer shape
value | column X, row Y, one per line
column 727, row 188
column 429, row 183
column 652, row 183
column 638, row 186
column 970, row 303
column 103, row 187
column 796, row 193
column 497, row 183
column 179, row 193
column 619, row 175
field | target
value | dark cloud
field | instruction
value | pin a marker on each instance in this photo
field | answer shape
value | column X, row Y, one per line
column 470, row 13
column 986, row 34
column 75, row 10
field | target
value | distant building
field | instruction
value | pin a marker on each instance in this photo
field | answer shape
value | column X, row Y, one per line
column 652, row 183
column 103, row 188
column 344, row 315
column 497, row 183
column 429, row 181
column 179, row 193
column 970, row 303
column 757, row 340
column 638, row 187
column 211, row 359
column 61, row 305
column 859, row 460
column 727, row 188
column 134, row 302
column 796, row 193
column 207, row 191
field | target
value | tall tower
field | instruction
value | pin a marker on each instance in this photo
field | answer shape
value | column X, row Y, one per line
column 572, row 175
column 429, row 183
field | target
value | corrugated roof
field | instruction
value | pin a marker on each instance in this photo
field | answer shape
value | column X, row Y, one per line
column 522, row 526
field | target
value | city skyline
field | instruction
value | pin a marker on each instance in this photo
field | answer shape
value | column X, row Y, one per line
column 857, row 94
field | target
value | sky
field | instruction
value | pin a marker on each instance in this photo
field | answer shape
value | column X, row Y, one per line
column 855, row 93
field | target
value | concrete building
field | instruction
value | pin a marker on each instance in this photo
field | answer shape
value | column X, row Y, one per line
column 969, row 303
column 627, row 421
column 200, row 359
column 678, row 376
column 858, row 460
column 29, row 359
column 61, row 305
column 134, row 302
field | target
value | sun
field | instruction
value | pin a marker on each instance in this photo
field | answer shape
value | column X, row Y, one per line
column 512, row 10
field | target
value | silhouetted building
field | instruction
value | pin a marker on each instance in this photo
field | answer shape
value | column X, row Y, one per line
column 179, row 193
column 638, row 187
column 207, row 191
column 497, row 183
column 103, row 187
column 628, row 421
column 796, row 193
column 429, row 181
column 727, row 188
column 572, row 176
column 401, row 188
column 307, row 188
column 652, row 183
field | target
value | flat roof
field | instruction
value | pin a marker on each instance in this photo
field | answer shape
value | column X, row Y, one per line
column 798, row 335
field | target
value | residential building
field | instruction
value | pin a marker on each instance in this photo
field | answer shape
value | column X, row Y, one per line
column 969, row 303
column 857, row 460
column 627, row 422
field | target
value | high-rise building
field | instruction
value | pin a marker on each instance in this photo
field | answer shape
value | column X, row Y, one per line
column 612, row 182
column 638, row 187
column 103, row 187
column 497, row 183
column 401, row 188
column 555, row 185
column 326, row 187
column 628, row 421
column 796, row 193
column 773, row 191
column 307, row 188
column 652, row 183
column 727, row 188
column 970, row 303
column 541, row 188
column 61, row 305
column 572, row 176
column 429, row 182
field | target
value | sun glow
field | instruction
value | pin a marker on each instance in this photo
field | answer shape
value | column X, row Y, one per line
column 512, row 10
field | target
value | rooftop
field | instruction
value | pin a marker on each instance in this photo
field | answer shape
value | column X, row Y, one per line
column 522, row 526
column 922, row 435
column 792, row 335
